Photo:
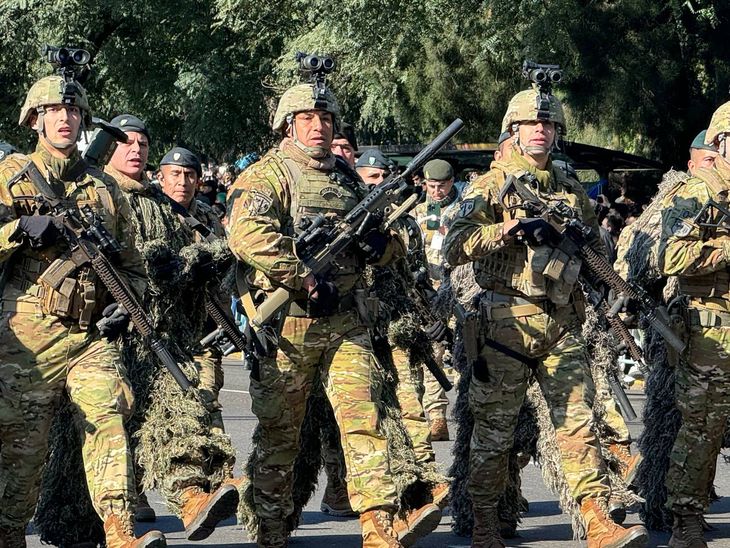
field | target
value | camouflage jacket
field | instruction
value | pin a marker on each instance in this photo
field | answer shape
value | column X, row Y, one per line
column 433, row 238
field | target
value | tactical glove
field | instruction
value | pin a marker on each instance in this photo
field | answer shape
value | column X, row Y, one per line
column 114, row 322
column 535, row 231
column 39, row 230
column 373, row 245
column 438, row 331
column 323, row 297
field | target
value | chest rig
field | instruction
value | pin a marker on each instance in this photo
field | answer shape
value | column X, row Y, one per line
column 537, row 272
column 48, row 279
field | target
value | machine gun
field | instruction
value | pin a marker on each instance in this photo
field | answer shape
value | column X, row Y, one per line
column 571, row 238
column 91, row 243
column 322, row 240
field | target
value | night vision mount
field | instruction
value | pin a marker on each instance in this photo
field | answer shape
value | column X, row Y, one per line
column 72, row 65
column 315, row 68
column 543, row 77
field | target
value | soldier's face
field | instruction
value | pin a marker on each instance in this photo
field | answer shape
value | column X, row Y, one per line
column 343, row 148
column 438, row 190
column 62, row 124
column 179, row 183
column 701, row 158
column 371, row 175
column 130, row 158
column 314, row 128
column 537, row 138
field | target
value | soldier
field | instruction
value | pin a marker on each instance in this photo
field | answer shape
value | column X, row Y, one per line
column 48, row 342
column 434, row 217
column 701, row 155
column 322, row 334
column 199, row 510
column 344, row 143
column 534, row 316
column 699, row 256
column 374, row 166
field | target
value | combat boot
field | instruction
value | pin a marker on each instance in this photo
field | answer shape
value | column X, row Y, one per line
column 628, row 463
column 336, row 501
column 119, row 531
column 143, row 512
column 202, row 511
column 440, row 495
column 272, row 533
column 486, row 529
column 616, row 509
column 377, row 529
column 417, row 523
column 439, row 429
column 12, row 537
column 687, row 531
column 602, row 532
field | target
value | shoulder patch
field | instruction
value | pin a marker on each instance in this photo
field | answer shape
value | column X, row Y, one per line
column 259, row 202
column 682, row 225
column 466, row 208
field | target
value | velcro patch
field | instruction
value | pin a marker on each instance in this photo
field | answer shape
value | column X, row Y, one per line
column 466, row 208
column 259, row 203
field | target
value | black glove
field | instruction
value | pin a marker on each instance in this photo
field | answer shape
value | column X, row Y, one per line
column 536, row 231
column 323, row 297
column 114, row 322
column 437, row 331
column 372, row 246
column 39, row 230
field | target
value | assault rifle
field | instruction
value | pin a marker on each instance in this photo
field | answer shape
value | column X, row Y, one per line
column 322, row 240
column 572, row 239
column 91, row 243
column 706, row 218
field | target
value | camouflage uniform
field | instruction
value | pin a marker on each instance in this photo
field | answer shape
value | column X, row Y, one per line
column 699, row 257
column 47, row 346
column 534, row 317
column 275, row 194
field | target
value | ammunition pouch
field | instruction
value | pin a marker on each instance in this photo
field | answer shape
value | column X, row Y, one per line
column 368, row 307
column 713, row 286
column 64, row 296
column 708, row 318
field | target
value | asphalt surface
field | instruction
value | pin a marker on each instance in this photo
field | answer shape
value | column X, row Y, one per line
column 543, row 526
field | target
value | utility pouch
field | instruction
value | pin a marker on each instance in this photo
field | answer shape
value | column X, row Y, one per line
column 58, row 289
column 368, row 307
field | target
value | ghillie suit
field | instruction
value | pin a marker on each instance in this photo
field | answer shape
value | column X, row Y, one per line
column 319, row 433
column 167, row 428
column 534, row 436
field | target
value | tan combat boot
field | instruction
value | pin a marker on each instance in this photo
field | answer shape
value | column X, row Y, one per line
column 486, row 529
column 440, row 495
column 628, row 463
column 616, row 509
column 202, row 511
column 417, row 523
column 439, row 429
column 688, row 530
column 377, row 529
column 336, row 501
column 119, row 531
column 12, row 537
column 602, row 532
column 272, row 533
column 143, row 512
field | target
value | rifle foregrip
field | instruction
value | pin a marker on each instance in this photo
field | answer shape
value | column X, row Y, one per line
column 623, row 399
column 666, row 332
column 271, row 306
column 169, row 362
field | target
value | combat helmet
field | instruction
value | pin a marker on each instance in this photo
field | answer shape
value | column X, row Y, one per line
column 304, row 97
column 50, row 91
column 532, row 106
column 719, row 125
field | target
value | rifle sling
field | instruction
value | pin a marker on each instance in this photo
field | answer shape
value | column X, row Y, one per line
column 532, row 363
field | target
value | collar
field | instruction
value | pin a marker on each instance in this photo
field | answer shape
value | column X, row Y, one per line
column 298, row 154
column 126, row 183
column 448, row 200
column 62, row 169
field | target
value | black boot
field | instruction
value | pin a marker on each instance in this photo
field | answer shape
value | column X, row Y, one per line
column 687, row 531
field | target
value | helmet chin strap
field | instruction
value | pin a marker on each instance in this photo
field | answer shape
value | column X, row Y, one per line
column 530, row 150
column 312, row 152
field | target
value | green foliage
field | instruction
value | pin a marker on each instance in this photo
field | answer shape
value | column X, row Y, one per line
column 640, row 75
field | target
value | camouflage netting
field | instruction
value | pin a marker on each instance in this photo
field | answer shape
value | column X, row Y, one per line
column 165, row 425
column 534, row 435
column 319, row 430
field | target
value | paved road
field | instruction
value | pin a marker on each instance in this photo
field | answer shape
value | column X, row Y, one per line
column 544, row 526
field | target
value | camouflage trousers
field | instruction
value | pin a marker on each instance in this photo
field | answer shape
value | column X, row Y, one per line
column 613, row 417
column 39, row 358
column 703, row 398
column 435, row 400
column 340, row 349
column 414, row 418
column 210, row 368
column 497, row 391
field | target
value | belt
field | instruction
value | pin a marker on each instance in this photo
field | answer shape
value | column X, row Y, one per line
column 301, row 308
column 504, row 312
column 21, row 307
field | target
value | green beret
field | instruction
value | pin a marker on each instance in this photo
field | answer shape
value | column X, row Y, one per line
column 179, row 156
column 699, row 142
column 438, row 170
column 375, row 158
column 129, row 122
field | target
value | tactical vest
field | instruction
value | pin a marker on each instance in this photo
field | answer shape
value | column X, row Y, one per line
column 333, row 193
column 433, row 239
column 715, row 285
column 47, row 281
column 540, row 273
